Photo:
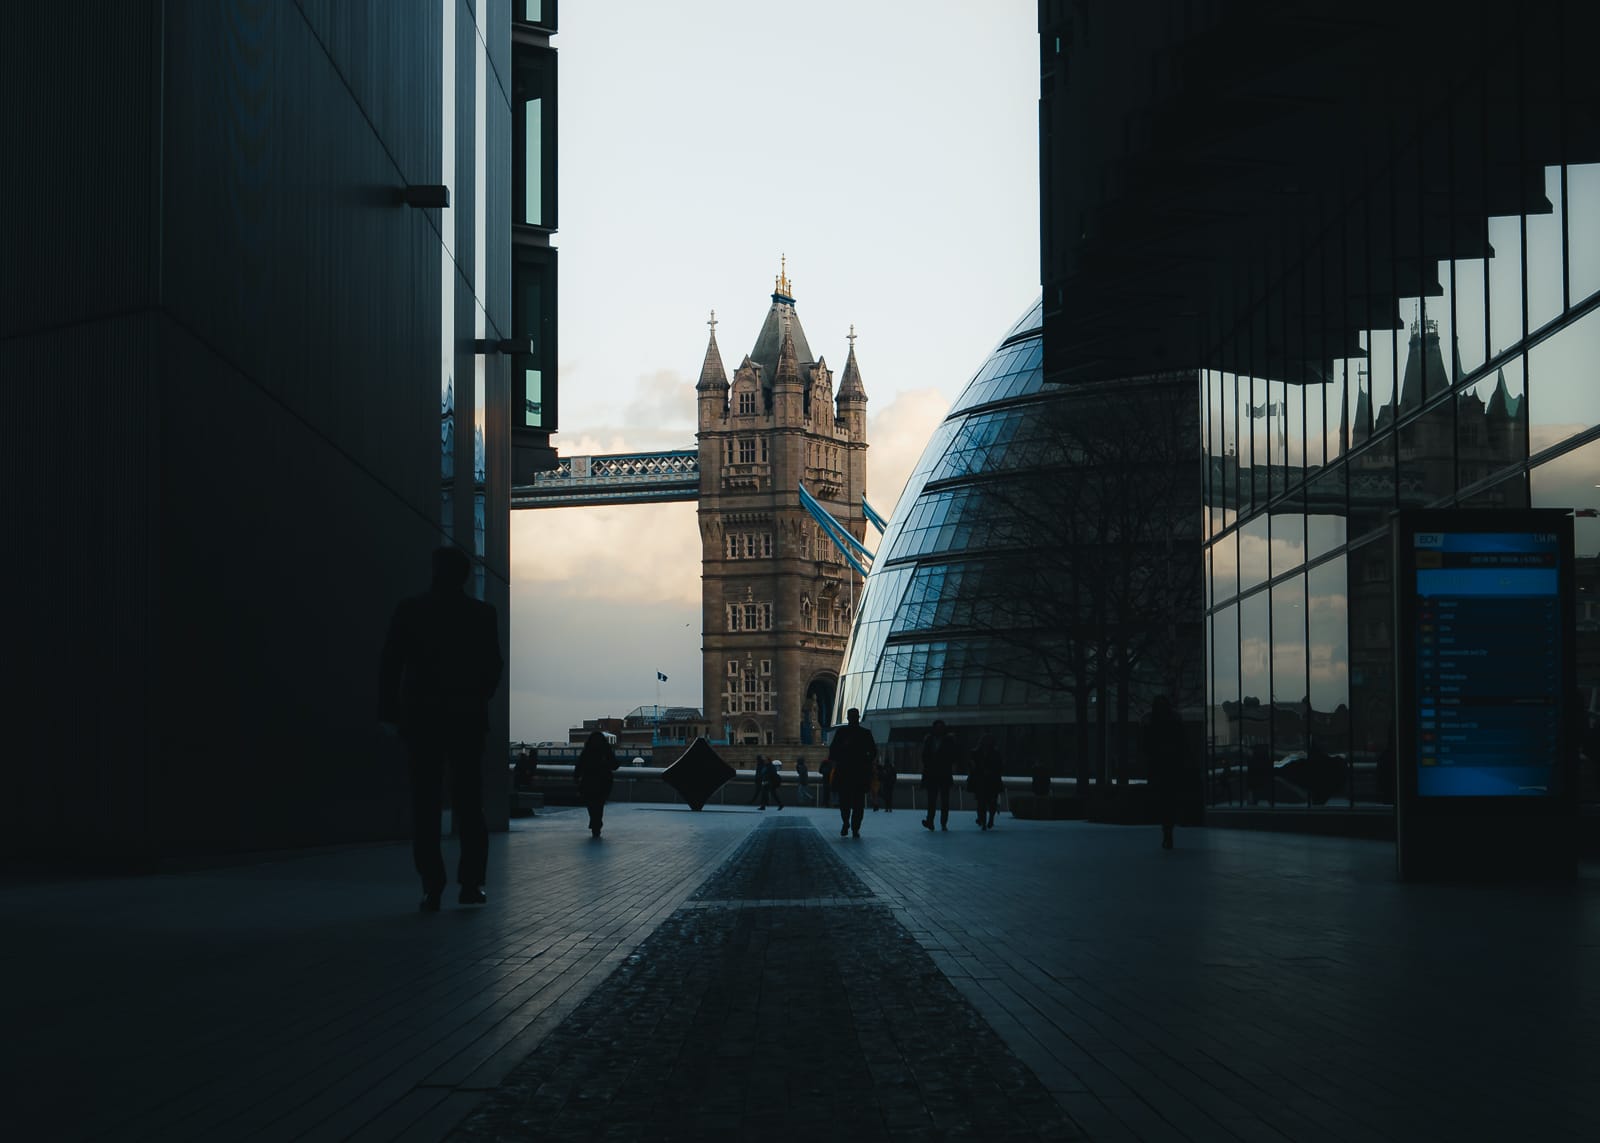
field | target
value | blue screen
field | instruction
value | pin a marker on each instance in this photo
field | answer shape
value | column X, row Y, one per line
column 1488, row 663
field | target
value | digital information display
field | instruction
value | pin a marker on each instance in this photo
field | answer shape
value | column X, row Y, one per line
column 1488, row 663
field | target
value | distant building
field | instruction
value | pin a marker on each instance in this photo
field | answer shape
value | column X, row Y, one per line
column 777, row 596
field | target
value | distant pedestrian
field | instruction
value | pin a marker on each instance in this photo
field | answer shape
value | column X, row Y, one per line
column 594, row 774
column 887, row 777
column 1164, row 749
column 985, row 780
column 769, row 785
column 826, row 770
column 854, row 753
column 441, row 664
column 759, row 780
column 802, row 777
column 939, row 752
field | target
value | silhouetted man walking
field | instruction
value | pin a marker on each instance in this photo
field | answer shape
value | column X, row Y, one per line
column 441, row 664
column 938, row 772
column 854, row 752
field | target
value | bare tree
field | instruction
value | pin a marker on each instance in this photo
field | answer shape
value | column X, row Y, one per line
column 1085, row 511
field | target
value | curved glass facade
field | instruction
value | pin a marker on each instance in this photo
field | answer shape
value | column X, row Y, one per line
column 974, row 611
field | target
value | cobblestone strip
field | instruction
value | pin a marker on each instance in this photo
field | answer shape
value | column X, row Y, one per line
column 795, row 1021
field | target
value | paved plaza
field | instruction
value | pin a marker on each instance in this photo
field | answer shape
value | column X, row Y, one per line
column 739, row 974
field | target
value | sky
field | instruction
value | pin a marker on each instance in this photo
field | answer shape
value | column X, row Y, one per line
column 892, row 160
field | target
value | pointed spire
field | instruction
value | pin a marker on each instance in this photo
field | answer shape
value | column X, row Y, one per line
column 712, row 374
column 850, row 387
column 788, row 365
column 781, row 287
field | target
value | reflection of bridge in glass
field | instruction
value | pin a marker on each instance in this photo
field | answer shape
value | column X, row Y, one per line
column 622, row 478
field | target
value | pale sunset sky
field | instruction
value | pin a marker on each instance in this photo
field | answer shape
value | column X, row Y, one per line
column 888, row 149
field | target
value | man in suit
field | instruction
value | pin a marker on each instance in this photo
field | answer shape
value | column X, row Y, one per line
column 441, row 665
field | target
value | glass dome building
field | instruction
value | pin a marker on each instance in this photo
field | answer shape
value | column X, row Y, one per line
column 980, row 599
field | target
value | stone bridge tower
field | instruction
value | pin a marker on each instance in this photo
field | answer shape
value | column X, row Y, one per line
column 777, row 598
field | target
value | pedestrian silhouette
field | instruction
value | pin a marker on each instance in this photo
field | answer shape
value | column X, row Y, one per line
column 985, row 780
column 441, row 664
column 854, row 753
column 887, row 777
column 1164, row 747
column 759, row 781
column 769, row 781
column 939, row 751
column 594, row 773
column 802, row 777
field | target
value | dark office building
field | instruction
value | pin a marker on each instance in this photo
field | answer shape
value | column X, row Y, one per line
column 1375, row 230
column 258, row 345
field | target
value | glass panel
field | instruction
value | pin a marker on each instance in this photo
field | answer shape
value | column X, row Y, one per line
column 1511, row 492
column 1262, row 426
column 1564, row 383
column 1358, row 391
column 1545, row 284
column 532, row 162
column 1289, row 691
column 1505, row 284
column 1372, row 487
column 1426, row 471
column 1371, row 674
column 1490, row 419
column 1223, row 733
column 1328, row 661
column 1381, row 379
column 1255, row 690
column 1225, row 567
column 1325, row 512
column 1583, row 230
column 1253, row 549
column 1471, row 313
column 1288, row 536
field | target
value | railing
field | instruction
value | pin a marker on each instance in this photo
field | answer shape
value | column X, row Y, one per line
column 619, row 478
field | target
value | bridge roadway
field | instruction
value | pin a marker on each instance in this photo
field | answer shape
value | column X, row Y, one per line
column 671, row 982
column 619, row 478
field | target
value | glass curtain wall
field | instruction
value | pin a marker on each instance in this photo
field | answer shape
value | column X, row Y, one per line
column 1439, row 346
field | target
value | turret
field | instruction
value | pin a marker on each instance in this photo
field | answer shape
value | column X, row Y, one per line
column 788, row 391
column 852, row 399
column 711, row 392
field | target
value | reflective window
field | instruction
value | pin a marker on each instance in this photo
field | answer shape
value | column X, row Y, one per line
column 1326, row 512
column 1546, row 286
column 1505, row 284
column 1289, row 689
column 1564, row 383
column 1583, row 230
column 1328, row 667
column 1253, row 551
column 1288, row 527
column 1371, row 673
column 1371, row 476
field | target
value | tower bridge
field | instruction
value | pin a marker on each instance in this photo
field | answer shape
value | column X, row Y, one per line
column 779, row 477
column 619, row 478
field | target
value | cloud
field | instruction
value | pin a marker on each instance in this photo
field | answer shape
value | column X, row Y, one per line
column 646, row 553
column 896, row 436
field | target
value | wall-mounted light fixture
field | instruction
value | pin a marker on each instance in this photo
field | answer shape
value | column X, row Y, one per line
column 437, row 197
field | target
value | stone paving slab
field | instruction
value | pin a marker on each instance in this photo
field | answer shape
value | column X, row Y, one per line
column 748, row 1015
column 1245, row 986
